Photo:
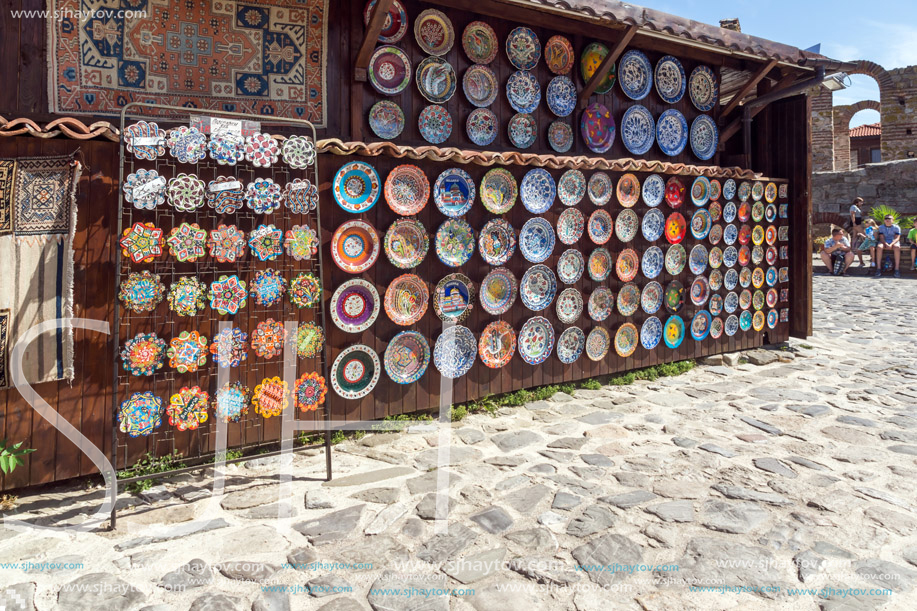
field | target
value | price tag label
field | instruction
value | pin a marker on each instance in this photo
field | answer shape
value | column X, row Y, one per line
column 150, row 187
column 147, row 141
column 298, row 186
column 221, row 126
column 225, row 186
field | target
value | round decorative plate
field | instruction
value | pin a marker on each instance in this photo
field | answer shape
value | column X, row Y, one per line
column 744, row 191
column 635, row 74
column 757, row 212
column 497, row 344
column 434, row 32
column 745, row 319
column 716, row 327
column 140, row 414
column 407, row 189
column 626, row 339
column 674, row 296
column 261, row 150
column 697, row 260
column 151, row 192
column 597, row 127
column 145, row 140
column 716, row 189
column 674, row 192
column 651, row 332
column 267, row 287
column 729, row 189
column 454, row 192
column 638, row 129
column 481, row 126
column 730, row 234
column 599, row 188
column 186, row 192
column 653, row 225
column 395, row 25
column 770, row 236
column 770, row 193
column 757, row 191
column 143, row 291
column 537, row 190
column 757, row 300
column 770, row 213
column 497, row 241
column 716, row 234
column 389, row 70
column 652, row 262
column 674, row 331
column 757, row 254
column 731, row 279
column 745, row 235
column 597, row 343
column 386, row 119
column 570, row 226
column 522, row 130
column 757, row 235
column 228, row 294
column 560, row 136
column 263, row 195
column 570, row 266
column 226, row 148
column 771, row 255
column 675, row 228
column 523, row 48
column 729, row 212
column 715, row 208
column 558, row 55
column 186, row 295
column 355, row 306
column 407, row 357
column 455, row 351
column 629, row 299
column 651, row 297
column 355, row 372
column 356, row 187
column 561, row 96
column 536, row 240
column 536, row 340
column 570, row 345
column 523, row 91
column 601, row 226
column 626, row 225
column 435, row 124
column 628, row 190
column 538, row 287
column 672, row 132
column 480, row 42
column 715, row 257
column 731, row 302
column 705, row 137
column 498, row 190
column 590, row 60
column 732, row 325
column 498, row 291
column 716, row 302
column 653, row 190
column 406, row 243
column 670, row 79
column 675, row 259
column 406, row 299
column 703, row 88
column 454, row 242
column 700, row 224
column 355, row 246
column 571, row 188
column 480, row 85
column 436, row 79
column 700, row 191
column 700, row 291
column 453, row 298
column 772, row 319
column 771, row 276
column 601, row 303
column 627, row 265
column 144, row 353
column 700, row 325
column 600, row 263
column 569, row 306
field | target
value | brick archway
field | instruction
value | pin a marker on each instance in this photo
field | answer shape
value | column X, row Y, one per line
column 841, row 124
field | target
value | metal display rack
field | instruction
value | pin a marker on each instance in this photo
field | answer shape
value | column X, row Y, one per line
column 253, row 430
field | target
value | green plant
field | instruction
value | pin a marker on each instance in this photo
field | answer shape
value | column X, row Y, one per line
column 806, row 347
column 227, row 455
column 458, row 412
column 591, row 384
column 11, row 455
column 149, row 465
column 878, row 214
column 338, row 437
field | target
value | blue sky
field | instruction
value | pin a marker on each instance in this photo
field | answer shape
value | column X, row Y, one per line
column 883, row 31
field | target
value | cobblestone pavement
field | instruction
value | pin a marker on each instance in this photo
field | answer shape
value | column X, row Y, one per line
column 794, row 470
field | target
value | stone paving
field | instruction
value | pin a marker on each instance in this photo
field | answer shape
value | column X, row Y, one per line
column 795, row 469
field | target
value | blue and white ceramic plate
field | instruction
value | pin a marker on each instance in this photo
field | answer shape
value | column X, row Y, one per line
column 729, row 189
column 635, row 74
column 537, row 190
column 538, row 287
column 730, row 234
column 651, row 332
column 731, row 279
column 700, row 325
column 536, row 340
column 536, row 240
column 703, row 88
column 770, row 213
column 670, row 79
column 454, row 192
column 356, row 187
column 653, row 224
column 601, row 303
column 561, row 96
column 600, row 226
column 651, row 298
column 653, row 190
column 729, row 211
column 732, row 325
column 731, row 303
column 638, row 129
column 672, row 132
column 652, row 262
column 626, row 225
column 745, row 320
column 560, row 136
column 455, row 351
column 697, row 260
column 704, row 137
column 570, row 345
column 523, row 91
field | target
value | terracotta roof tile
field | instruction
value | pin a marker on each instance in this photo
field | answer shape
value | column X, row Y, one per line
column 863, row 131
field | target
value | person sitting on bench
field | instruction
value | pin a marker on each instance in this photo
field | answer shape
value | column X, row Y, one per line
column 837, row 253
column 889, row 235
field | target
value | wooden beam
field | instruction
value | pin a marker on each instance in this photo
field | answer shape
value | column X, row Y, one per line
column 373, row 29
column 736, row 123
column 747, row 87
column 606, row 65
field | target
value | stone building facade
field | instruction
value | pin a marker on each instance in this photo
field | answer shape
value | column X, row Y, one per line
column 892, row 183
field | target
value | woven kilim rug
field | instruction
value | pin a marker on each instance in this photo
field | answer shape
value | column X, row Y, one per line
column 6, row 196
column 258, row 56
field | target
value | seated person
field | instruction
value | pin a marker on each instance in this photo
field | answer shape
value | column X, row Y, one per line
column 868, row 244
column 889, row 235
column 837, row 248
column 912, row 238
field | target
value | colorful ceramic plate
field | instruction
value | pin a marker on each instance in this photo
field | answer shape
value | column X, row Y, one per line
column 355, row 372
column 453, row 298
column 454, row 192
column 407, row 357
column 771, row 255
column 480, row 86
column 538, row 288
column 629, row 299
column 635, row 74
column 522, row 130
column 590, row 60
column 700, row 325
column 628, row 190
column 770, row 213
column 434, row 32
column 267, row 287
column 745, row 319
column 715, row 257
column 675, row 228
column 652, row 262
column 570, row 226
column 601, row 303
column 396, row 21
column 627, row 265
column 651, row 297
column 770, row 193
column 674, row 192
column 653, row 190
column 744, row 191
column 705, row 137
column 228, row 294
column 670, row 79
column 355, row 246
column 454, row 242
column 744, row 235
column 355, row 305
column 536, row 340
column 300, row 196
column 674, row 331
column 560, row 136
column 675, row 259
column 498, row 291
column 570, row 266
column 770, row 236
column 601, row 226
column 638, row 130
column 703, row 88
column 570, row 345
column 597, row 127
column 497, row 241
column 571, row 188
column 140, row 414
column 536, row 240
column 498, row 190
column 188, row 352
column 700, row 191
column 697, row 260
column 356, row 187
column 523, row 48
column 757, row 191
column 406, row 243
column 757, row 321
column 701, row 223
column 757, row 212
column 716, row 302
column 700, row 291
column 716, row 327
column 480, row 42
column 716, row 234
column 600, row 263
column 558, row 54
column 266, row 242
column 142, row 292
column 569, row 306
column 772, row 319
column 537, row 190
column 599, row 188
column 407, row 189
column 186, row 296
column 455, row 351
column 436, row 79
column 389, row 70
column 435, row 124
column 481, row 126
column 674, row 296
column 651, row 332
column 497, row 344
column 597, row 343
column 671, row 132
column 145, row 140
column 406, row 299
column 144, row 353
column 185, row 192
column 523, row 91
column 627, row 225
column 627, row 339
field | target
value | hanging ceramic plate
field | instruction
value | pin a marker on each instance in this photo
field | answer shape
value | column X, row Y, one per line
column 770, row 213
column 652, row 262
column 571, row 188
column 771, row 276
column 454, row 242
column 600, row 263
column 599, row 188
column 715, row 258
column 731, row 279
column 497, row 344
column 498, row 190
column 672, row 132
column 481, row 126
column 453, row 298
column 627, row 265
column 355, row 306
column 771, row 255
column 653, row 225
column 651, row 333
column 560, row 136
column 674, row 192
column 435, row 124
column 716, row 328
column 700, row 191
column 745, row 235
column 674, row 296
column 536, row 240
column 757, row 300
column 455, row 351
column 454, row 192
column 700, row 325
column 757, row 191
column 757, row 212
column 628, row 190
column 732, row 325
column 703, row 88
column 772, row 319
column 558, row 55
column 597, row 127
column 700, row 291
column 629, row 299
column 757, row 254
column 538, row 287
column 716, row 211
column 561, row 96
column 770, row 193
column 757, row 235
column 770, row 235
column 355, row 372
column 730, row 234
column 536, row 340
column 597, row 343
column 729, row 212
column 716, row 302
column 601, row 303
column 674, row 331
column 355, row 246
column 697, row 260
column 570, row 226
column 716, row 189
column 140, row 414
column 601, row 226
column 670, row 79
column 651, row 297
column 389, row 70
column 716, row 234
column 407, row 357
column 436, row 79
column 744, row 255
column 653, row 190
column 744, row 191
column 570, row 345
column 569, row 306
column 635, row 74
column 700, row 224
column 498, row 291
column 407, row 189
column 434, row 32
column 675, row 259
column 729, row 189
column 638, row 130
column 480, row 85
column 406, row 243
column 480, row 42
column 745, row 278
column 590, row 60
column 523, row 91
column 783, row 190
column 745, row 320
column 523, row 48
column 731, row 302
column 386, row 119
column 626, row 339
column 395, row 24
column 675, row 228
column 570, row 266
column 522, row 130
column 497, row 241
column 626, row 225
column 705, row 137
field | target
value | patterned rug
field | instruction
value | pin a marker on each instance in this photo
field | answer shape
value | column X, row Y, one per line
column 258, row 56
column 43, row 196
column 7, row 168
column 4, row 347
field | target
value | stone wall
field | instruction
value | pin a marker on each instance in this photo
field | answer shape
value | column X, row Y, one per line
column 822, row 131
column 892, row 183
column 899, row 115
